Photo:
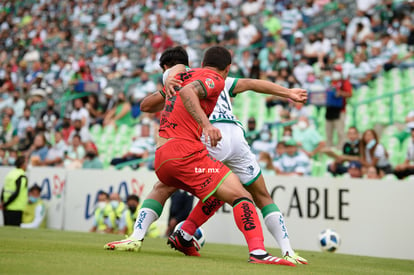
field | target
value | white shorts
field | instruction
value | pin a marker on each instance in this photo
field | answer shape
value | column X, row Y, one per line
column 234, row 152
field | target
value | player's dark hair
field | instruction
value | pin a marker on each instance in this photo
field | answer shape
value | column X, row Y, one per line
column 174, row 56
column 217, row 57
column 133, row 197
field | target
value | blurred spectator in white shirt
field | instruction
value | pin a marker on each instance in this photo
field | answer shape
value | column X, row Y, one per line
column 152, row 64
column 191, row 23
column 121, row 39
column 251, row 7
column 80, row 112
column 247, row 34
column 27, row 120
column 142, row 88
column 133, row 34
column 302, row 70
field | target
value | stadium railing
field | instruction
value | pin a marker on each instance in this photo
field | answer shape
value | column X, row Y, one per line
column 69, row 96
column 389, row 96
column 134, row 162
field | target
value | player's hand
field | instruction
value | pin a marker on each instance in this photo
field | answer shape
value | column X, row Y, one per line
column 170, row 84
column 298, row 95
column 213, row 133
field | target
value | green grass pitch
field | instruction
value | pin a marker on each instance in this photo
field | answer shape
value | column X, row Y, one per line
column 25, row 251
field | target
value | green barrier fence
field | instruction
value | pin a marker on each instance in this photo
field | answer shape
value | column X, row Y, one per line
column 134, row 162
column 388, row 96
column 67, row 97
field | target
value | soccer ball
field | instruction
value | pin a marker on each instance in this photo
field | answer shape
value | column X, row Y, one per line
column 329, row 240
column 199, row 237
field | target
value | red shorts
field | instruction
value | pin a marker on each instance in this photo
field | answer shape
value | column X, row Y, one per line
column 178, row 164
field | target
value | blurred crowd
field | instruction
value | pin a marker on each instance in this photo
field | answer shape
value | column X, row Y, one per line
column 51, row 50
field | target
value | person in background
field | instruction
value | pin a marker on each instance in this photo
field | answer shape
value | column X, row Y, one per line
column 266, row 143
column 293, row 162
column 75, row 154
column 120, row 114
column 95, row 109
column 91, row 160
column 67, row 128
column 83, row 132
column 25, row 121
column 335, row 116
column 140, row 147
column 350, row 152
column 38, row 151
column 109, row 101
column 104, row 216
column 407, row 168
column 265, row 162
column 2, row 157
column 355, row 169
column 80, row 112
column 373, row 173
column 308, row 137
column 373, row 153
column 8, row 134
column 252, row 134
column 14, row 193
column 50, row 116
column 34, row 216
column 118, row 206
column 27, row 140
column 129, row 216
column 56, row 153
column 180, row 208
column 11, row 158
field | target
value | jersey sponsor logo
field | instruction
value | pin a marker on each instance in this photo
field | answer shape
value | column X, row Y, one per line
column 211, row 206
column 247, row 219
column 210, row 83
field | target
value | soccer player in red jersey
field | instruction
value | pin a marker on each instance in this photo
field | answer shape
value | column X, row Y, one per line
column 182, row 160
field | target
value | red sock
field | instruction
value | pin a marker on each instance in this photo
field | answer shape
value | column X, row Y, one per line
column 248, row 223
column 200, row 214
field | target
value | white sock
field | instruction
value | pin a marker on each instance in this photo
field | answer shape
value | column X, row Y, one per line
column 146, row 217
column 275, row 223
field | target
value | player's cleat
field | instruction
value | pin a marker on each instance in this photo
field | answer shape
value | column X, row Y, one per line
column 128, row 244
column 268, row 259
column 295, row 258
column 177, row 242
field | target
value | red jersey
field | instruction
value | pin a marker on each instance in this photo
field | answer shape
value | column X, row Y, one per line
column 345, row 86
column 176, row 121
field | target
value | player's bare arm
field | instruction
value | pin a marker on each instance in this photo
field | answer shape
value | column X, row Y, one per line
column 190, row 96
column 267, row 87
column 153, row 103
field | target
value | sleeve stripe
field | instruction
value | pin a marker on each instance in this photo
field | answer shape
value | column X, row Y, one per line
column 232, row 88
column 204, row 87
